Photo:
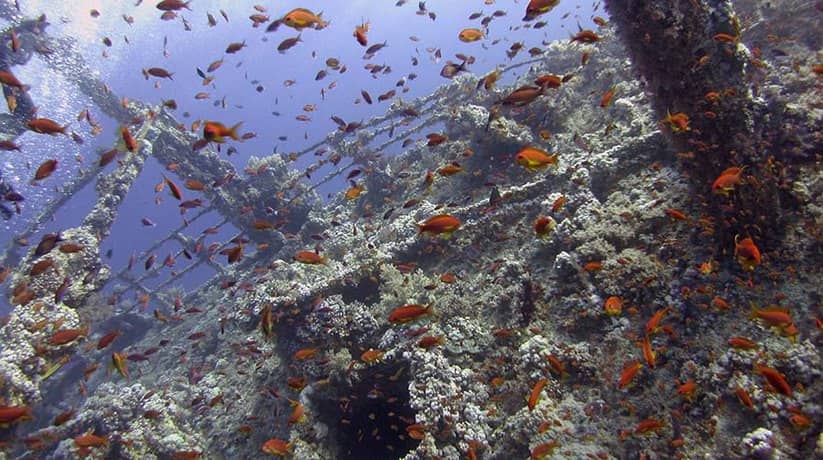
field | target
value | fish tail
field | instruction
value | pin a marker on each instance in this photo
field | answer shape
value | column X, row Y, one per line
column 430, row 310
column 321, row 24
column 233, row 131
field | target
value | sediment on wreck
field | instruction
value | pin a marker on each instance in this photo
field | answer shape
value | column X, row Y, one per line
column 693, row 57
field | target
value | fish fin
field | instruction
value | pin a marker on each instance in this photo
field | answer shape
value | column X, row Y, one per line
column 233, row 131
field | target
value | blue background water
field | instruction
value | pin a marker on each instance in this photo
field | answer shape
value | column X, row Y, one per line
column 141, row 45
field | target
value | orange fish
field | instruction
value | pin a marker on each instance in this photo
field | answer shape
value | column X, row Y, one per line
column 585, row 36
column 128, row 140
column 371, row 356
column 776, row 379
column 276, row 447
column 613, row 305
column 534, row 159
column 450, row 170
column 118, row 362
column 628, row 374
column 68, row 335
column 444, row 224
column 772, row 316
column 300, row 18
column 107, row 339
column 470, row 35
column 607, row 97
column 217, row 132
column 543, row 226
column 523, row 95
column 309, row 257
column 173, row 188
column 726, row 181
column 352, row 193
column 360, row 34
column 8, row 79
column 409, row 312
column 90, row 440
column 742, row 343
column 537, row 7
column 748, row 256
column 549, row 81
column 46, row 126
column 534, row 396
column 172, row 5
column 649, row 424
column 678, row 122
column 14, row 414
column 45, row 170
column 648, row 354
column 654, row 323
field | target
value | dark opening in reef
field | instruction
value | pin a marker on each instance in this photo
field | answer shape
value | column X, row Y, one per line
column 369, row 418
column 367, row 290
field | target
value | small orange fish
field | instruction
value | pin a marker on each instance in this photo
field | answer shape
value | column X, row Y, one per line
column 523, row 95
column 726, row 181
column 68, row 335
column 544, row 450
column 470, row 35
column 305, row 353
column 543, row 226
column 613, row 305
column 119, row 363
column 309, row 257
column 46, row 126
column 748, row 256
column 360, row 34
column 276, row 447
column 300, row 18
column 194, row 184
column 776, row 379
column 742, row 343
column 173, row 188
column 649, row 424
column 217, row 132
column 537, row 7
column 628, row 374
column 14, row 414
column 534, row 396
column 687, row 390
column 45, row 170
column 558, row 203
column 90, row 440
column 444, row 224
column 648, row 353
column 352, row 193
column 675, row 214
column 549, row 81
column 371, row 356
column 606, row 100
column 678, row 122
column 107, row 339
column 776, row 317
column 654, row 323
column 585, row 36
column 128, row 140
column 435, row 139
column 450, row 170
column 744, row 398
column 593, row 266
column 409, row 312
column 534, row 159
column 298, row 414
